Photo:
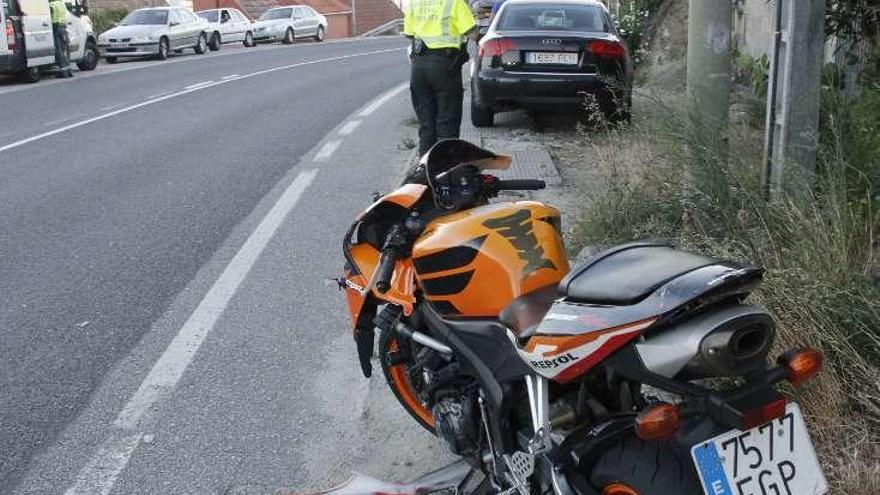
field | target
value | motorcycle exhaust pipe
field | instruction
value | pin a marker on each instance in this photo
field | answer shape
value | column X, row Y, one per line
column 414, row 335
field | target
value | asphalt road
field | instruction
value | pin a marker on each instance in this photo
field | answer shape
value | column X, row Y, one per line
column 134, row 210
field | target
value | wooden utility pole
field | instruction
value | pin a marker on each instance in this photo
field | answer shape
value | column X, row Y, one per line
column 793, row 96
column 708, row 63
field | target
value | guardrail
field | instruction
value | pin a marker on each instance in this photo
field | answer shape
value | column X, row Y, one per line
column 390, row 27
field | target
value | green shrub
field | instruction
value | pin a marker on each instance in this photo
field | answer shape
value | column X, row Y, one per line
column 104, row 19
column 820, row 251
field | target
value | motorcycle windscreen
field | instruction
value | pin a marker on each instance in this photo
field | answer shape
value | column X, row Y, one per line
column 451, row 153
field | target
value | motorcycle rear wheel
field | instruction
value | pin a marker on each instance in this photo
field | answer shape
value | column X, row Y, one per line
column 648, row 467
column 398, row 380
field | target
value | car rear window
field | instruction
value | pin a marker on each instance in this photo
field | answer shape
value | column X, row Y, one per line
column 276, row 14
column 208, row 15
column 146, row 17
column 552, row 17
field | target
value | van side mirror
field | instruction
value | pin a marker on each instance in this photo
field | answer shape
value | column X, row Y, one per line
column 173, row 23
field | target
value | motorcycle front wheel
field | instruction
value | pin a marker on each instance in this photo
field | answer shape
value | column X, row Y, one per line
column 397, row 375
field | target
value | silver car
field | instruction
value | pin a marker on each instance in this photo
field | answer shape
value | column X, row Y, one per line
column 154, row 32
column 285, row 24
column 227, row 26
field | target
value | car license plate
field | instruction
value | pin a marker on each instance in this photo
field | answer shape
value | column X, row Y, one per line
column 557, row 58
column 774, row 458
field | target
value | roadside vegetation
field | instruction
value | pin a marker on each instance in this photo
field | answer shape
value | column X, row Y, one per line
column 662, row 178
column 104, row 19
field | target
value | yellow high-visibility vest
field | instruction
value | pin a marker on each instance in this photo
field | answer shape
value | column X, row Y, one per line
column 58, row 11
column 439, row 23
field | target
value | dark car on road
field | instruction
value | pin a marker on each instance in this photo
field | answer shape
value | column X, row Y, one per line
column 550, row 54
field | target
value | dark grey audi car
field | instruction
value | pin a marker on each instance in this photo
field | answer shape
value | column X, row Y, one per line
column 547, row 54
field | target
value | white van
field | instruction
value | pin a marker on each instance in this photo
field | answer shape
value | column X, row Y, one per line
column 28, row 47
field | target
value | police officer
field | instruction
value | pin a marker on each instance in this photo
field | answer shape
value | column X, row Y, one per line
column 59, row 32
column 438, row 30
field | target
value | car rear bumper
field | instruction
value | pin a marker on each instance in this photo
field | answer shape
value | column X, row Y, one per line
column 501, row 89
column 130, row 50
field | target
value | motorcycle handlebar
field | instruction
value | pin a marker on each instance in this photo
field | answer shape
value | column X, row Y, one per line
column 385, row 270
column 520, row 185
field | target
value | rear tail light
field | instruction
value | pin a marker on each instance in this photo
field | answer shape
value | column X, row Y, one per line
column 606, row 49
column 496, row 47
column 658, row 422
column 10, row 34
column 763, row 414
column 802, row 365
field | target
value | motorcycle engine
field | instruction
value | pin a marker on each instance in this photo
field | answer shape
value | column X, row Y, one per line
column 456, row 420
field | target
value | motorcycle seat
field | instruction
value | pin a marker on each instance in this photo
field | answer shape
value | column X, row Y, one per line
column 524, row 313
column 627, row 274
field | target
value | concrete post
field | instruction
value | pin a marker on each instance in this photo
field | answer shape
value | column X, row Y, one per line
column 708, row 62
column 793, row 99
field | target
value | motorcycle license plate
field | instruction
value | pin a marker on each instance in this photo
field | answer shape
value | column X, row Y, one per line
column 557, row 58
column 774, row 458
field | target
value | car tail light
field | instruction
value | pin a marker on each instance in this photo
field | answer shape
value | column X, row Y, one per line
column 763, row 414
column 619, row 489
column 658, row 422
column 606, row 49
column 10, row 34
column 496, row 47
column 802, row 365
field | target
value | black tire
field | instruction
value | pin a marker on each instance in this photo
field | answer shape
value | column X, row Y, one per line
column 649, row 467
column 481, row 116
column 319, row 36
column 30, row 75
column 249, row 40
column 216, row 42
column 164, row 49
column 111, row 60
column 201, row 45
column 90, row 57
column 385, row 341
column 289, row 36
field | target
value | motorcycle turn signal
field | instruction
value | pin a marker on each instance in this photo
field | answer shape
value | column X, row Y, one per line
column 658, row 422
column 802, row 365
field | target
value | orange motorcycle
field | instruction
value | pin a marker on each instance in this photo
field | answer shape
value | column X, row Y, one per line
column 589, row 380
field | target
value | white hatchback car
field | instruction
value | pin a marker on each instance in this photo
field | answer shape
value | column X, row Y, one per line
column 287, row 23
column 227, row 26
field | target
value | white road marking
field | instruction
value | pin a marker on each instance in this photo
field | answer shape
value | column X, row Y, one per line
column 110, row 107
column 99, row 475
column 230, row 76
column 158, row 95
column 136, row 106
column 382, row 100
column 199, row 85
column 349, row 127
column 327, row 150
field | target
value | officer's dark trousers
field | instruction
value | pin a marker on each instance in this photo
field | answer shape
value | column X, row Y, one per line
column 62, row 56
column 437, row 94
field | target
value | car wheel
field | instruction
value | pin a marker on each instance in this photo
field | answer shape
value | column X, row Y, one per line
column 202, row 45
column 319, row 36
column 481, row 116
column 215, row 42
column 111, row 60
column 163, row 49
column 90, row 57
column 249, row 39
column 30, row 75
column 288, row 37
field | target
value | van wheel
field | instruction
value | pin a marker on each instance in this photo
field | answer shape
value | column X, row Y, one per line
column 30, row 75
column 90, row 57
column 202, row 45
column 163, row 49
column 111, row 60
column 215, row 42
column 288, row 37
column 249, row 39
column 319, row 36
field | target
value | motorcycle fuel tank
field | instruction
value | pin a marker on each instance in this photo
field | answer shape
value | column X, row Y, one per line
column 475, row 262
